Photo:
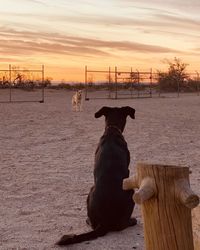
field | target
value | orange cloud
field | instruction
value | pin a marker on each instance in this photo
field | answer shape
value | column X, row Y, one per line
column 20, row 43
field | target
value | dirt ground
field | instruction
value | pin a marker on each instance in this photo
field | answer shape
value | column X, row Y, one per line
column 47, row 155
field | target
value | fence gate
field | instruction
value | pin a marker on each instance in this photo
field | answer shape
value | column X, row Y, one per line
column 21, row 85
column 114, row 84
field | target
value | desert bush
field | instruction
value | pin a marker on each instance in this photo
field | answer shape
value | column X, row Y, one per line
column 175, row 78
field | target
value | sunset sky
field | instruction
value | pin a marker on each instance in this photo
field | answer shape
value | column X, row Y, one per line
column 66, row 35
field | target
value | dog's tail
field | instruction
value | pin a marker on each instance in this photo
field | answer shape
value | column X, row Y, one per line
column 74, row 238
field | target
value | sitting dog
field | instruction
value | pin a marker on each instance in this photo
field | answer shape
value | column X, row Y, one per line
column 77, row 101
column 109, row 208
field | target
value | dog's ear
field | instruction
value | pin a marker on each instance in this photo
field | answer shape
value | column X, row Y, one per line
column 102, row 111
column 129, row 111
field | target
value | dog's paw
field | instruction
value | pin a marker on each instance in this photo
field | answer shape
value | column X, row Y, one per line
column 66, row 239
column 132, row 222
column 88, row 222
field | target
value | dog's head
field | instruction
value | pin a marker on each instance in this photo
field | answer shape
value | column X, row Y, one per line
column 116, row 116
column 79, row 94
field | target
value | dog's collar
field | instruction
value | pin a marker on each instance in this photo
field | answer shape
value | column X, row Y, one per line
column 113, row 126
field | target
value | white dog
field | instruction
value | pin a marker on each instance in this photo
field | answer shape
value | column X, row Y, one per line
column 77, row 101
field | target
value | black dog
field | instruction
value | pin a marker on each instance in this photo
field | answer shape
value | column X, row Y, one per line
column 109, row 208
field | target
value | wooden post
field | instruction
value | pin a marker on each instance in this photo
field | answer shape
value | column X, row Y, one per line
column 166, row 200
column 116, row 82
column 10, row 82
column 196, row 227
column 109, row 83
column 42, row 100
column 151, row 81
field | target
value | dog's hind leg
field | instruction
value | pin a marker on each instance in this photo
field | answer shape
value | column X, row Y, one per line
column 124, row 224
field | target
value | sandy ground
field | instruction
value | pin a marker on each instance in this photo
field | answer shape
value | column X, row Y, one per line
column 47, row 155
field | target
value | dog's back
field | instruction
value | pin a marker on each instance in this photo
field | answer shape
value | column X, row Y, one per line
column 112, row 158
column 110, row 204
